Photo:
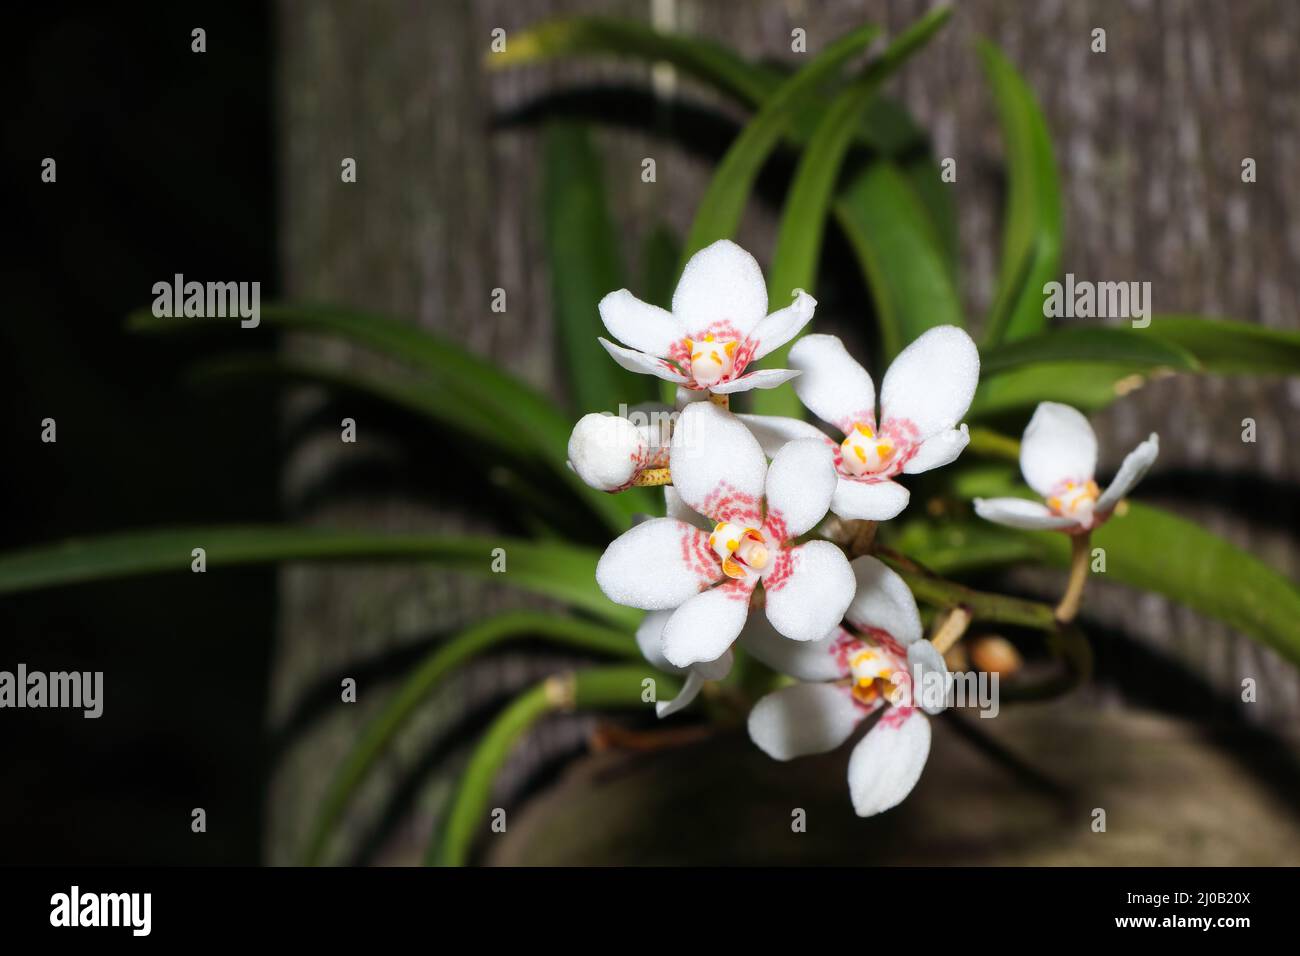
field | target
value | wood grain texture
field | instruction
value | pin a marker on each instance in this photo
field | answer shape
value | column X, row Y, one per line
column 1150, row 136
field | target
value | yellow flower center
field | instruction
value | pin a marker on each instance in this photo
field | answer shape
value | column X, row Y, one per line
column 1075, row 500
column 871, row 673
column 742, row 550
column 863, row 452
column 711, row 359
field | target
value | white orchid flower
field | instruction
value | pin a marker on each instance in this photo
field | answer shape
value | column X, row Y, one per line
column 719, row 471
column 718, row 325
column 1058, row 457
column 871, row 665
column 926, row 391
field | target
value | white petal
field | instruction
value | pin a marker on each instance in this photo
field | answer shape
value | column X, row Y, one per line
column 606, row 450
column 810, row 600
column 1131, row 471
column 718, row 467
column 782, row 325
column 1020, row 513
column 888, row 761
column 694, row 683
column 931, row 680
column 806, row 660
column 800, row 483
column 676, row 508
column 773, row 431
column 650, row 639
column 882, row 600
column 869, row 500
column 704, row 627
column 640, row 362
column 691, row 688
column 932, row 381
column 639, row 325
column 721, row 284
column 938, row 450
column 763, row 378
column 715, row 670
column 658, row 564
column 804, row 719
column 1059, row 445
column 833, row 386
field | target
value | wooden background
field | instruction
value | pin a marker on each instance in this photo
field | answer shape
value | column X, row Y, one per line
column 1149, row 135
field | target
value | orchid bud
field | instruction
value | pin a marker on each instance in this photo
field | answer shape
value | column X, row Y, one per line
column 606, row 451
column 995, row 654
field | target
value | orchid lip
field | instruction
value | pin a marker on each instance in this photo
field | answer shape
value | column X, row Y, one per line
column 744, row 551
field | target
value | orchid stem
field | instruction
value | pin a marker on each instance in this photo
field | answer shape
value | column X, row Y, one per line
column 862, row 537
column 722, row 401
column 1080, row 550
column 951, row 630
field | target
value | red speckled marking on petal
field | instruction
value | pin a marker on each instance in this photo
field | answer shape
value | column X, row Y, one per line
column 699, row 557
column 727, row 503
column 894, row 716
column 902, row 434
column 782, row 568
column 774, row 528
column 845, row 645
column 883, row 639
column 738, row 589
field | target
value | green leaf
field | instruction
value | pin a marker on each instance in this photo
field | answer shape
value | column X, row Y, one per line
column 1154, row 550
column 705, row 60
column 531, row 419
column 719, row 212
column 1229, row 348
column 401, row 391
column 483, row 636
column 908, row 274
column 886, row 127
column 596, row 688
column 1084, row 344
column 583, row 259
column 660, row 255
column 1031, row 246
column 803, row 220
column 958, row 547
column 1151, row 549
column 1088, row 386
column 561, row 571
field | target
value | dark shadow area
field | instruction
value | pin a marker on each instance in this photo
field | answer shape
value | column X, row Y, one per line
column 164, row 165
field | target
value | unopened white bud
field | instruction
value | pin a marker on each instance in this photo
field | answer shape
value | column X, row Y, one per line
column 606, row 451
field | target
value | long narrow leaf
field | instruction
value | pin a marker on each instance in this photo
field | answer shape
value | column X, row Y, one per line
column 1031, row 247
column 1227, row 347
column 597, row 688
column 561, row 571
column 1151, row 549
column 719, row 212
column 1082, row 344
column 1088, row 386
column 583, row 258
column 416, row 689
column 532, row 421
column 908, row 273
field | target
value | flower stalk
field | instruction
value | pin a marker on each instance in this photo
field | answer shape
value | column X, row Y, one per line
column 954, row 626
column 1080, row 551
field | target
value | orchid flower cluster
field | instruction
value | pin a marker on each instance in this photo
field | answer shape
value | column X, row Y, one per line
column 738, row 556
